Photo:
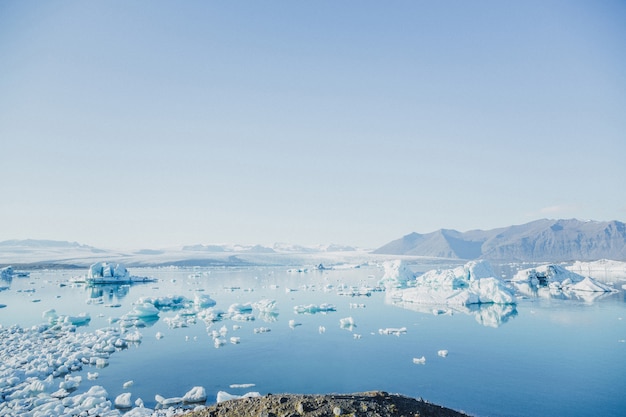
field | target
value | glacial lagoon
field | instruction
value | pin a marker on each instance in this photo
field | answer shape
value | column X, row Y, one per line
column 540, row 357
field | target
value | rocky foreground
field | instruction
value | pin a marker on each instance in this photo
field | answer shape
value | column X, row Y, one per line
column 367, row 404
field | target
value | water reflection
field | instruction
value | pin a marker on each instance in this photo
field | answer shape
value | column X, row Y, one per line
column 109, row 292
column 490, row 315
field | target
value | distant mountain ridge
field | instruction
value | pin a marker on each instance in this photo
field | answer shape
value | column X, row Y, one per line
column 543, row 240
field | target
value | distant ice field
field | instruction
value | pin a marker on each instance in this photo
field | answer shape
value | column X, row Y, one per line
column 541, row 356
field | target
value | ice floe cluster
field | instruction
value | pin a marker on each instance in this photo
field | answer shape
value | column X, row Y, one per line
column 36, row 368
column 36, row 372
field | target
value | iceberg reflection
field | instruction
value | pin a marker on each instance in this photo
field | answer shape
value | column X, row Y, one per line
column 490, row 315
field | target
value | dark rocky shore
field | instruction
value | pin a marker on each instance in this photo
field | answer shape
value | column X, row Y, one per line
column 366, row 404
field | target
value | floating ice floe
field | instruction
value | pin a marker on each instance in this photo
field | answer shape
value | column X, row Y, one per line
column 241, row 385
column 265, row 306
column 347, row 323
column 443, row 353
column 419, row 361
column 168, row 302
column 473, row 283
column 314, row 308
column 123, row 401
column 393, row 331
column 203, row 301
column 168, row 401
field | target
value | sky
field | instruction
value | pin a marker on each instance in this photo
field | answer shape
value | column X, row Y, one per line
column 150, row 124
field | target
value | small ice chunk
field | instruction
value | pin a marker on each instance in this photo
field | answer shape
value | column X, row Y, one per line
column 203, row 301
column 224, row 396
column 128, row 384
column 61, row 393
column 337, row 411
column 322, row 329
column 144, row 310
column 392, row 330
column 419, row 361
column 159, row 335
column 195, row 395
column 262, row 330
column 123, row 400
column 443, row 353
column 242, row 385
column 92, row 376
column 347, row 323
column 293, row 324
column 168, row 401
column 71, row 382
column 235, row 340
column 265, row 306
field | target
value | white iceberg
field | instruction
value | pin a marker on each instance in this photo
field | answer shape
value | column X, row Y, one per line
column 555, row 281
column 110, row 273
column 397, row 274
column 473, row 283
column 546, row 274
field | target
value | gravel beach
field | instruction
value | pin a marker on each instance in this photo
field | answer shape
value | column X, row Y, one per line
column 366, row 404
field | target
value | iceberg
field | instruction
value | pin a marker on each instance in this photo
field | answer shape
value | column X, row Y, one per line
column 110, row 273
column 546, row 274
column 555, row 281
column 603, row 269
column 473, row 283
column 397, row 274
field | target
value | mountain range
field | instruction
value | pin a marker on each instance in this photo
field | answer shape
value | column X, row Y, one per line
column 537, row 241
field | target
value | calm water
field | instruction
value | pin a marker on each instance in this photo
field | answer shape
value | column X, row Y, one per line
column 545, row 358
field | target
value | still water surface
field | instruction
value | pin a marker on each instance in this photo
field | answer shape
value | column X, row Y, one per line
column 546, row 357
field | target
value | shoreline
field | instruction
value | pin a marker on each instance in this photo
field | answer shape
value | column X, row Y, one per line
column 363, row 404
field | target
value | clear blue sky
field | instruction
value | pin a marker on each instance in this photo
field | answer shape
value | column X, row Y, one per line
column 152, row 123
